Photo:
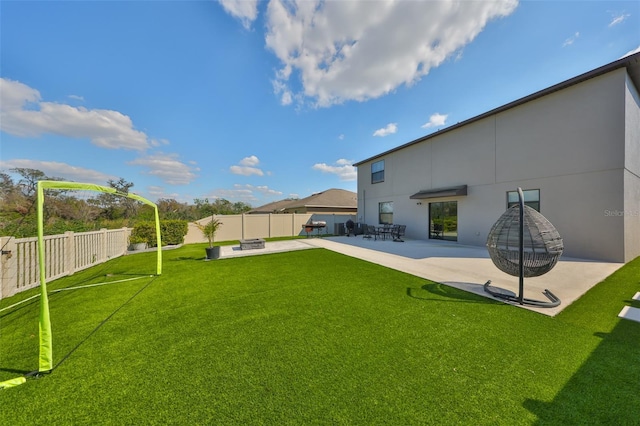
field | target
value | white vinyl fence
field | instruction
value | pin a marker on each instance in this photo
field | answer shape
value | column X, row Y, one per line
column 64, row 254
column 71, row 252
column 248, row 226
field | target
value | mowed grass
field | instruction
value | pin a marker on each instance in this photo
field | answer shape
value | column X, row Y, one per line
column 315, row 337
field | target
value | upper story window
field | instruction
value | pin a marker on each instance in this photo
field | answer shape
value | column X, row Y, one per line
column 531, row 198
column 377, row 171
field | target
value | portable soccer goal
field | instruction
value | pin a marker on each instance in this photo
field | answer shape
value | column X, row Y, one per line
column 44, row 247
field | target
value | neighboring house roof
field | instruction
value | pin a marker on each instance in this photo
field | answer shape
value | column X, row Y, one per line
column 275, row 207
column 331, row 198
column 631, row 62
column 339, row 198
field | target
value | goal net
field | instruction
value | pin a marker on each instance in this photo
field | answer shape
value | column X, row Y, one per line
column 86, row 260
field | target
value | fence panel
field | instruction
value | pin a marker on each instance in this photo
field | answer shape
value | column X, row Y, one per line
column 246, row 226
column 64, row 255
column 26, row 264
column 256, row 226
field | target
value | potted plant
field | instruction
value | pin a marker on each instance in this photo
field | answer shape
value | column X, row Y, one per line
column 209, row 231
column 137, row 242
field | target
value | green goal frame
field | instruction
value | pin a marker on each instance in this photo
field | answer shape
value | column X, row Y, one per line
column 45, row 359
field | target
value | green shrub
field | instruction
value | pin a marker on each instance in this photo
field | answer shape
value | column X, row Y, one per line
column 144, row 232
column 450, row 224
column 173, row 232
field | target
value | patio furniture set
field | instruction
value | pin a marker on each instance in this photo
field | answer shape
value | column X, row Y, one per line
column 385, row 231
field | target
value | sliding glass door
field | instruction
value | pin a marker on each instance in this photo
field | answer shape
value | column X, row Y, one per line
column 443, row 220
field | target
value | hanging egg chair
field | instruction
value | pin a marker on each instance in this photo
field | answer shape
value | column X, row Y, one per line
column 542, row 243
column 523, row 243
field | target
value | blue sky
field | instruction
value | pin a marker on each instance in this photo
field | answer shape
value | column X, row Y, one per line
column 260, row 101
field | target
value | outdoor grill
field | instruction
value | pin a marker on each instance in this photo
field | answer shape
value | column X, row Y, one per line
column 317, row 224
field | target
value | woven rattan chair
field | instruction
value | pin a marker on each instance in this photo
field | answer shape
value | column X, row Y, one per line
column 542, row 243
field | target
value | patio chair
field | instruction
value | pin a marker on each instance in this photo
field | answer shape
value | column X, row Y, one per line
column 437, row 231
column 369, row 231
column 398, row 232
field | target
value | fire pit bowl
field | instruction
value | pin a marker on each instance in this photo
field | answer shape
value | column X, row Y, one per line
column 255, row 243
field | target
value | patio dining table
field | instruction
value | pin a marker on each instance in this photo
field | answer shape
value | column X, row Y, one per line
column 384, row 231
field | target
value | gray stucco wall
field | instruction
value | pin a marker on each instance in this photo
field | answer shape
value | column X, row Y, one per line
column 569, row 144
column 632, row 172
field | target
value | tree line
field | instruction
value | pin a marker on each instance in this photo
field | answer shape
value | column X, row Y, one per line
column 66, row 211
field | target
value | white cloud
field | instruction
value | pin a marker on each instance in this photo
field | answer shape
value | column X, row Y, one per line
column 341, row 136
column 245, row 193
column 61, row 170
column 618, row 19
column 436, row 120
column 385, row 131
column 335, row 51
column 167, row 167
column 342, row 168
column 286, row 98
column 571, row 40
column 76, row 98
column 158, row 142
column 631, row 52
column 262, row 189
column 24, row 114
column 250, row 161
column 247, row 167
column 245, row 10
column 158, row 192
column 279, row 88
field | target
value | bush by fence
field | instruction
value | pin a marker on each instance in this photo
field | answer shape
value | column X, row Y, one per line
column 172, row 231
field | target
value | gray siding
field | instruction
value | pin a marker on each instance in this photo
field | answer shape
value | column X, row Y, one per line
column 632, row 172
column 570, row 144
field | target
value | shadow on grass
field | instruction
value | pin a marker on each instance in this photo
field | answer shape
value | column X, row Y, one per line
column 445, row 291
column 605, row 389
column 12, row 312
column 63, row 358
column 15, row 371
column 187, row 258
column 633, row 303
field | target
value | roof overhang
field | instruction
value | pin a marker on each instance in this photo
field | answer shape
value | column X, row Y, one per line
column 452, row 191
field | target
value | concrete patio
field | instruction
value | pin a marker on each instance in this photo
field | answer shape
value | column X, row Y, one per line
column 465, row 267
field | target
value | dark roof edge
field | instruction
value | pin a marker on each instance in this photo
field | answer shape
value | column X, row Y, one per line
column 620, row 63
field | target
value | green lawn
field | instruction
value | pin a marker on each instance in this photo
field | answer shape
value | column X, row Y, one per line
column 315, row 337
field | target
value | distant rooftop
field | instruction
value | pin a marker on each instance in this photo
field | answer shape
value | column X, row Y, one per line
column 334, row 198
